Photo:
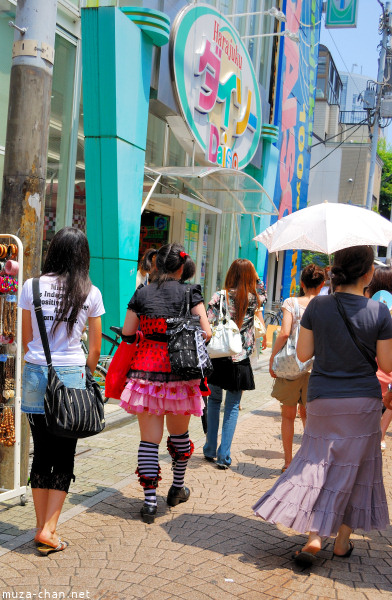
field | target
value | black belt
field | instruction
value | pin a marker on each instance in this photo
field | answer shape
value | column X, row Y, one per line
column 156, row 337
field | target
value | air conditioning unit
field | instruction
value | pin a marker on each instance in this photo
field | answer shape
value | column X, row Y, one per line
column 386, row 108
column 369, row 99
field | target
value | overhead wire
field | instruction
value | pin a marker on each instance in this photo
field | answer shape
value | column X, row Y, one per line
column 336, row 147
column 337, row 135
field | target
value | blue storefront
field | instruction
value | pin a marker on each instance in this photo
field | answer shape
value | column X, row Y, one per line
column 171, row 162
column 294, row 112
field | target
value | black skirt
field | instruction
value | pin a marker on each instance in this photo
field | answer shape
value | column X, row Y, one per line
column 233, row 376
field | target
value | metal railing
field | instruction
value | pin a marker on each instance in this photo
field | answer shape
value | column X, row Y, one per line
column 349, row 117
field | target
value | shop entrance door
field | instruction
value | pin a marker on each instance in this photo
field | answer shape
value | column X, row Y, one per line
column 197, row 228
column 154, row 231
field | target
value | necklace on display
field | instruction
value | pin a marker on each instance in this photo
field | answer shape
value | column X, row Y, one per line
column 9, row 324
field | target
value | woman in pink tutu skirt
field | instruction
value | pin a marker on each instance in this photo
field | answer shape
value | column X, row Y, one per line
column 152, row 391
column 334, row 483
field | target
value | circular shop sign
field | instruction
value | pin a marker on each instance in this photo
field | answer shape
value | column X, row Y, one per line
column 216, row 86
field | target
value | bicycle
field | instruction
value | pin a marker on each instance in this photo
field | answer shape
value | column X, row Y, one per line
column 275, row 315
column 104, row 359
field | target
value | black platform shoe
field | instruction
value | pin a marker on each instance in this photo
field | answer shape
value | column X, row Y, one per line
column 177, row 495
column 148, row 513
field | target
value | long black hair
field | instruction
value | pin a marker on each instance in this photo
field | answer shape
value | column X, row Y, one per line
column 168, row 260
column 68, row 258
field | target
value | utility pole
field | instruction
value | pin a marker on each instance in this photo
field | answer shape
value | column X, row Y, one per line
column 386, row 31
column 26, row 147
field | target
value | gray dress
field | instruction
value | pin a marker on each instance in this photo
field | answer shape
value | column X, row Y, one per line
column 336, row 476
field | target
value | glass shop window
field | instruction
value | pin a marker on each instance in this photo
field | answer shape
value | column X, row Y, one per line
column 155, row 141
column 79, row 200
column 58, row 164
column 154, row 231
column 177, row 154
column 6, row 41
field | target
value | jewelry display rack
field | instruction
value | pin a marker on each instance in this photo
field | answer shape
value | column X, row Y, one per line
column 10, row 405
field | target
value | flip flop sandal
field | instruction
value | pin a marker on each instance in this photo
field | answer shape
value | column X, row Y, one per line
column 45, row 549
column 37, row 542
column 305, row 559
column 348, row 553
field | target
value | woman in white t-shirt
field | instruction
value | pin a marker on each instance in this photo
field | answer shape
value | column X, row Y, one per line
column 292, row 392
column 69, row 302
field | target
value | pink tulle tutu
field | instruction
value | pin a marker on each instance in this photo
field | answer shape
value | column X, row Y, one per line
column 159, row 398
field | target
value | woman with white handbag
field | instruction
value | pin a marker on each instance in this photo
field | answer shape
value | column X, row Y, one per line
column 232, row 312
column 291, row 377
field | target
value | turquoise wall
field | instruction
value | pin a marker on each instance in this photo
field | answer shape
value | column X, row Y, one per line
column 116, row 87
column 266, row 176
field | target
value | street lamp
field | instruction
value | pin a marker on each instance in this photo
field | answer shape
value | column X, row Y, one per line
column 294, row 37
column 272, row 12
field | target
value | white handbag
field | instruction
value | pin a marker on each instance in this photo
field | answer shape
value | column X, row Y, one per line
column 226, row 337
column 286, row 363
column 260, row 329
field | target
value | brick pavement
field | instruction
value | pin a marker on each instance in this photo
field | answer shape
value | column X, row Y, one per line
column 212, row 547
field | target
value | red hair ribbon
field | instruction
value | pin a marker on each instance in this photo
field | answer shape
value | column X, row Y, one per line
column 183, row 254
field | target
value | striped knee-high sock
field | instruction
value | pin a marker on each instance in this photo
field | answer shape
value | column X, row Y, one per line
column 148, row 467
column 182, row 445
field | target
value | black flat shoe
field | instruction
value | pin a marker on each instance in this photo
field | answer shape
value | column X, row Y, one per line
column 304, row 559
column 148, row 513
column 209, row 458
column 177, row 495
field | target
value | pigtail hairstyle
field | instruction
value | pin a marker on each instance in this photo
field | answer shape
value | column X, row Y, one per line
column 350, row 264
column 68, row 258
column 242, row 279
column 168, row 260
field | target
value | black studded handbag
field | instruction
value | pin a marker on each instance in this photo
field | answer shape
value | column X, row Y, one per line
column 186, row 344
column 69, row 412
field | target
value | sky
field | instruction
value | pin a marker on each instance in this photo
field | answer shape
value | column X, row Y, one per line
column 357, row 46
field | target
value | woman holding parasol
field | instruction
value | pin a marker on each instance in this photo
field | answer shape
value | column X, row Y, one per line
column 334, row 484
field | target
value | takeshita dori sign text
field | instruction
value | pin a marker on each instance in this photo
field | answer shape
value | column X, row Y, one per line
column 216, row 86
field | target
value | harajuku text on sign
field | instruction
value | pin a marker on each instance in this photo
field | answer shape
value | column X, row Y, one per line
column 216, row 87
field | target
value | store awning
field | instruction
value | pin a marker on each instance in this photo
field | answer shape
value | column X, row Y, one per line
column 221, row 190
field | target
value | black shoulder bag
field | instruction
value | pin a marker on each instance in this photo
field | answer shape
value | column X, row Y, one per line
column 364, row 351
column 69, row 412
column 186, row 345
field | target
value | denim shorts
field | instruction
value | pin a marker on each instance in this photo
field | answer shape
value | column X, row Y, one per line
column 35, row 379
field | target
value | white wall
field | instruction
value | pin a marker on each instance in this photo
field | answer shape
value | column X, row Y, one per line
column 324, row 178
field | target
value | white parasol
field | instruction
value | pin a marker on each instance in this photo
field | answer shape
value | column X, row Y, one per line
column 326, row 228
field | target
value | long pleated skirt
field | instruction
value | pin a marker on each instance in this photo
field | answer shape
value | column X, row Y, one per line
column 336, row 476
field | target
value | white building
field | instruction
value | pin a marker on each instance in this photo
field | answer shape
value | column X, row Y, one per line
column 351, row 105
column 340, row 156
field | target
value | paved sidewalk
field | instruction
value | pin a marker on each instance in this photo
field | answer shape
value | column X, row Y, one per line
column 212, row 547
column 104, row 463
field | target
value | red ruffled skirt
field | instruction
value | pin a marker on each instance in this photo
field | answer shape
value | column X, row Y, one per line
column 146, row 393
